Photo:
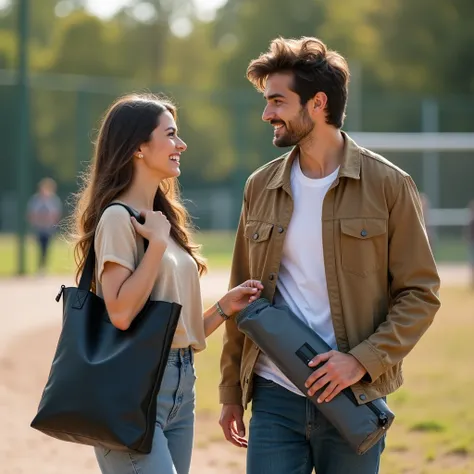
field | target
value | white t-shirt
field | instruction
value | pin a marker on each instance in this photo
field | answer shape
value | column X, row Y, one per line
column 301, row 281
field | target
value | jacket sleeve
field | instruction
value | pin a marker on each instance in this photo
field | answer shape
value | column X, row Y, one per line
column 230, row 390
column 413, row 283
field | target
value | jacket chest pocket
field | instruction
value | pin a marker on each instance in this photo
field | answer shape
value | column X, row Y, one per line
column 258, row 234
column 363, row 245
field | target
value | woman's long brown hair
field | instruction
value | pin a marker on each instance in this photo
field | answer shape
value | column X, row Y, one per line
column 128, row 123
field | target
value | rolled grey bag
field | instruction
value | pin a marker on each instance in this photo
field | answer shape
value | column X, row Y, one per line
column 290, row 344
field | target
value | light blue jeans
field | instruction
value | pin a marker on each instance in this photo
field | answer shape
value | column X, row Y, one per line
column 288, row 435
column 174, row 431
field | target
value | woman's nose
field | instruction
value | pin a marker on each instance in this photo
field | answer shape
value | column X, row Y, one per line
column 181, row 146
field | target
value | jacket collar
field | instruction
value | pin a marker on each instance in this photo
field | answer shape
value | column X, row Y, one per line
column 350, row 166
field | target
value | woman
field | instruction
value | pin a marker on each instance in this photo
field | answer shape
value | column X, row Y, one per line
column 137, row 161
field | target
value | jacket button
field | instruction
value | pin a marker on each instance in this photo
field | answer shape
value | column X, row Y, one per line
column 271, row 277
column 255, row 236
column 363, row 397
column 280, row 230
column 363, row 233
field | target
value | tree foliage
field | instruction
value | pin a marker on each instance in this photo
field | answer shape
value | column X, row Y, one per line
column 406, row 51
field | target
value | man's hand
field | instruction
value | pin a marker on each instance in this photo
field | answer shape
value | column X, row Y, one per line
column 232, row 423
column 338, row 372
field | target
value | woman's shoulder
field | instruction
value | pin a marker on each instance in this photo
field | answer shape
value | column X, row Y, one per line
column 115, row 219
column 115, row 212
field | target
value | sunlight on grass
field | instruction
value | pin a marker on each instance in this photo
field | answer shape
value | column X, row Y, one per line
column 427, row 426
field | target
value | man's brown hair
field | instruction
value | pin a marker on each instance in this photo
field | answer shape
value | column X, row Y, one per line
column 315, row 69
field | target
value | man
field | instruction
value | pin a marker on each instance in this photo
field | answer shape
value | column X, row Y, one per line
column 44, row 214
column 335, row 232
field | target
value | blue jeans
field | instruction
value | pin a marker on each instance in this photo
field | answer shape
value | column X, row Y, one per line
column 174, row 430
column 44, row 239
column 288, row 435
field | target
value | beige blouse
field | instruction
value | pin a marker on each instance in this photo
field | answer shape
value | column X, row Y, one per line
column 178, row 279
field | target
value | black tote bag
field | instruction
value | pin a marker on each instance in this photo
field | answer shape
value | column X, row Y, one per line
column 103, row 382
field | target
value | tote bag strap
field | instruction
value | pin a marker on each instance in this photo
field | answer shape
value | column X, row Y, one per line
column 87, row 274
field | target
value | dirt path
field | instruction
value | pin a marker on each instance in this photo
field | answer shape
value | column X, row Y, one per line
column 29, row 331
column 30, row 328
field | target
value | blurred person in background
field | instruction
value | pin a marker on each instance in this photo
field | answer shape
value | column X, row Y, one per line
column 44, row 214
column 137, row 162
column 335, row 232
column 470, row 239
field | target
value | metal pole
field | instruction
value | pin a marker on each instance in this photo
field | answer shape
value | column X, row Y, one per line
column 430, row 123
column 23, row 157
column 430, row 163
column 82, row 129
column 354, row 106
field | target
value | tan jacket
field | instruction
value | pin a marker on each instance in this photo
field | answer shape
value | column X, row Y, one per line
column 381, row 276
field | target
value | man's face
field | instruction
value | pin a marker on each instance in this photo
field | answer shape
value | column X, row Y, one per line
column 284, row 112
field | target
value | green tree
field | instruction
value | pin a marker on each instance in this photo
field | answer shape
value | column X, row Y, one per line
column 7, row 50
column 426, row 48
column 190, row 76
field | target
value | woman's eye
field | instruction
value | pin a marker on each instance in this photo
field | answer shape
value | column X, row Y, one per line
column 171, row 134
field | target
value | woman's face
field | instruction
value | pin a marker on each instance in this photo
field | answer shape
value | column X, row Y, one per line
column 163, row 152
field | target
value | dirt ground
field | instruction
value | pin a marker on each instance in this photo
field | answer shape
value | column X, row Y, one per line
column 30, row 327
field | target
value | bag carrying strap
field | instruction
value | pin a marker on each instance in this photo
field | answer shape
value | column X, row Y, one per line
column 87, row 274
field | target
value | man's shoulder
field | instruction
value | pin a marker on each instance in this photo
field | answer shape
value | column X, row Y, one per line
column 379, row 169
column 379, row 166
column 264, row 174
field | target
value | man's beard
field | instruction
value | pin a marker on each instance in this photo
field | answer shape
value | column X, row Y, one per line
column 296, row 130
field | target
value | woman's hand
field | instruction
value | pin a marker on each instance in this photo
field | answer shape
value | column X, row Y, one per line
column 241, row 296
column 156, row 227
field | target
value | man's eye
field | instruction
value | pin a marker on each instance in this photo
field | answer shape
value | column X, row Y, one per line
column 171, row 134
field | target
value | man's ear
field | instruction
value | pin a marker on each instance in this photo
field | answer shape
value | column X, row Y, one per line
column 320, row 101
column 317, row 104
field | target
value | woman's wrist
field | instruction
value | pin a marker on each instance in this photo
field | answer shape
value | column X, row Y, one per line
column 223, row 310
column 158, row 241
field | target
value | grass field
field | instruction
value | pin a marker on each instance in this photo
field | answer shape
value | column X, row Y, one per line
column 216, row 247
column 433, row 431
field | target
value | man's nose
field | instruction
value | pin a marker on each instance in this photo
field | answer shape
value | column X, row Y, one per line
column 267, row 114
